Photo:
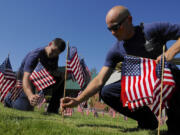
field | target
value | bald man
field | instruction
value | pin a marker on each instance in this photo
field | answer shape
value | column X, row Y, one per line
column 144, row 41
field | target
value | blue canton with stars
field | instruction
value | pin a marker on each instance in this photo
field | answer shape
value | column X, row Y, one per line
column 131, row 66
column 159, row 67
column 5, row 65
column 39, row 67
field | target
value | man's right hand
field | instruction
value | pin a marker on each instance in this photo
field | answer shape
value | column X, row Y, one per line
column 33, row 99
column 68, row 102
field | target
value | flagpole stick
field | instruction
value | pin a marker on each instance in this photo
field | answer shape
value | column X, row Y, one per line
column 65, row 78
column 162, row 77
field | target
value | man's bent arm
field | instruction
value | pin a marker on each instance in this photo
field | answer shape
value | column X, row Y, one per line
column 26, row 85
column 173, row 50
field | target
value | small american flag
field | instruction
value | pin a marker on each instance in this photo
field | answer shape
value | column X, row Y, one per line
column 140, row 84
column 74, row 67
column 41, row 78
column 7, row 78
column 16, row 91
column 41, row 100
column 168, row 87
column 85, row 71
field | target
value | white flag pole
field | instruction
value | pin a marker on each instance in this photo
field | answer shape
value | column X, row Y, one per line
column 62, row 111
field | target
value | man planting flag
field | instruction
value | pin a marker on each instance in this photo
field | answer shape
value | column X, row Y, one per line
column 48, row 56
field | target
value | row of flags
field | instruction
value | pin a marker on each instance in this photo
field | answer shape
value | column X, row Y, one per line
column 40, row 77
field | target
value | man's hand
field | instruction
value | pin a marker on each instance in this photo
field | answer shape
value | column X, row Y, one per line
column 167, row 56
column 68, row 102
column 33, row 99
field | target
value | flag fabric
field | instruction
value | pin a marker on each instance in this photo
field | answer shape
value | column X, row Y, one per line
column 138, row 80
column 7, row 78
column 141, row 85
column 74, row 67
column 168, row 87
column 85, row 71
column 1, row 78
column 41, row 78
column 41, row 100
column 16, row 91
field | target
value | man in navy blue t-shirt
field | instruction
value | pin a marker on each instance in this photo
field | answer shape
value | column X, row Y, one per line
column 48, row 56
column 145, row 40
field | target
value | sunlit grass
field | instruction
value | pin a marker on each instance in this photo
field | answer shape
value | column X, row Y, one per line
column 14, row 122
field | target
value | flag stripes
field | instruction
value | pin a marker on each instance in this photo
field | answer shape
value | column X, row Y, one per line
column 41, row 78
column 138, row 86
column 41, row 100
column 141, row 83
column 74, row 67
column 7, row 77
column 168, row 88
column 16, row 91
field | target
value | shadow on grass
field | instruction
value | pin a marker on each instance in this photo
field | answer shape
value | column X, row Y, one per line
column 122, row 129
column 155, row 132
column 108, row 126
column 97, row 125
column 21, row 118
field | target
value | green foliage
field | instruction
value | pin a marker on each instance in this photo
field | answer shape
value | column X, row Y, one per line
column 14, row 122
column 106, row 108
column 48, row 98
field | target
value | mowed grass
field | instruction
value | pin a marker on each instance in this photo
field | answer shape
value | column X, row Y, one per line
column 14, row 122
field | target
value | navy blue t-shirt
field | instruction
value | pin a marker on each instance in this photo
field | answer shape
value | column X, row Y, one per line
column 31, row 59
column 147, row 42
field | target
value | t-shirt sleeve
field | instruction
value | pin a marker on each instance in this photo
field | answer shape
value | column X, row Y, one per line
column 164, row 30
column 30, row 63
column 113, row 57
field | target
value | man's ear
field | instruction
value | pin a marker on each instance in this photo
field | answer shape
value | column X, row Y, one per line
column 130, row 19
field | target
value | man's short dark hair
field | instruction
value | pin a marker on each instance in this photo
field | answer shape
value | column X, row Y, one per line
column 60, row 43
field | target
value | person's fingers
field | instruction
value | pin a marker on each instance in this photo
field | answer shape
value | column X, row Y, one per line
column 34, row 100
column 67, row 102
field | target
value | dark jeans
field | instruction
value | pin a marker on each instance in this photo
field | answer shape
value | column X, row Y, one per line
column 110, row 94
column 173, row 112
column 57, row 94
column 22, row 102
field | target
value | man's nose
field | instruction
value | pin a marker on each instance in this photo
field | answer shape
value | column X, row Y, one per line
column 113, row 32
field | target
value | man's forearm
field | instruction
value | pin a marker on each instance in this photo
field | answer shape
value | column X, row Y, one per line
column 26, row 85
column 93, row 87
column 173, row 50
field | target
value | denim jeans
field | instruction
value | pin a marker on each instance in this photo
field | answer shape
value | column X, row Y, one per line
column 21, row 103
column 111, row 95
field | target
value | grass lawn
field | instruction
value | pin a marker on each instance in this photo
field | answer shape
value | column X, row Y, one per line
column 14, row 122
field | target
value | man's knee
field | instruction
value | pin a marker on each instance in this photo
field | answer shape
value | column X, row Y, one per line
column 104, row 93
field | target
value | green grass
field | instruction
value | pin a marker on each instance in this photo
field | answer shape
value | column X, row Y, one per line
column 14, row 122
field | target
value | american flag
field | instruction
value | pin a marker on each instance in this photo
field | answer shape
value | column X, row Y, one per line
column 168, row 87
column 74, row 67
column 7, row 78
column 41, row 78
column 1, row 78
column 16, row 91
column 41, row 100
column 140, row 84
column 85, row 71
